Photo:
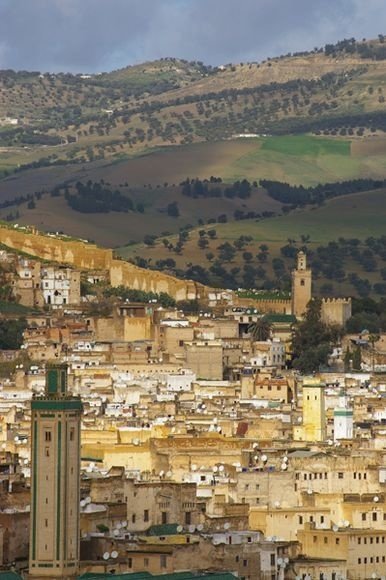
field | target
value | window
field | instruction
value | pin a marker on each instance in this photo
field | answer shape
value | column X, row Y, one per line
column 133, row 518
column 300, row 520
column 245, row 563
column 325, row 540
column 72, row 434
column 359, row 540
column 359, row 561
column 322, row 519
column 273, row 560
column 188, row 518
column 246, row 486
column 337, row 540
column 363, row 517
column 146, row 562
column 146, row 515
column 237, row 558
column 130, row 562
column 48, row 436
column 374, row 516
column 302, row 282
column 163, row 561
column 164, row 517
column 340, row 475
column 47, row 452
column 46, row 523
column 314, row 539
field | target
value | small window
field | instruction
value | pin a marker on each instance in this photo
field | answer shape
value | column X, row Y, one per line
column 163, row 561
column 302, row 282
column 130, row 562
column 325, row 540
column 273, row 560
column 133, row 518
column 245, row 563
column 72, row 434
column 146, row 562
column 300, row 520
column 337, row 541
column 364, row 515
column 48, row 436
column 374, row 516
column 47, row 452
column 340, row 475
column 146, row 515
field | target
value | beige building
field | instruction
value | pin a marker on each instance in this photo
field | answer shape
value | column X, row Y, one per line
column 205, row 359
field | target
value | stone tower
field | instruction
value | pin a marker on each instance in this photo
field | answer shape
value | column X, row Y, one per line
column 55, row 479
column 301, row 286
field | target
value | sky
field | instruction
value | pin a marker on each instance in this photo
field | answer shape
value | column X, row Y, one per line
column 102, row 35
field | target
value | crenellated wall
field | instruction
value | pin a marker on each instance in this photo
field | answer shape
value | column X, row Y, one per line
column 274, row 305
column 336, row 310
column 87, row 256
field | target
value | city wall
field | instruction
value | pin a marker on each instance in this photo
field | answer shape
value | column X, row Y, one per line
column 89, row 257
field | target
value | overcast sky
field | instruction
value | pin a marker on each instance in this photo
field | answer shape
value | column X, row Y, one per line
column 101, row 35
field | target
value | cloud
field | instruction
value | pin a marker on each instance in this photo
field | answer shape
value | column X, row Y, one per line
column 95, row 35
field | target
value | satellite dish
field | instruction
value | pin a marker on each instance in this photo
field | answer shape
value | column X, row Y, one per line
column 277, row 504
column 161, row 473
column 335, row 528
column 264, row 458
column 82, row 503
column 280, row 561
column 376, row 499
column 194, row 467
column 255, row 445
column 346, row 523
column 215, row 468
column 309, row 491
column 285, row 459
column 114, row 554
column 168, row 474
column 124, row 524
column 200, row 527
column 192, row 528
column 16, row 439
column 88, row 500
column 227, row 526
column 221, row 468
column 180, row 529
column 116, row 532
column 284, row 466
column 25, row 461
column 286, row 560
column 106, row 555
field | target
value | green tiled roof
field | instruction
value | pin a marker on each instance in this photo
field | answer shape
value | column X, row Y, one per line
column 163, row 530
column 9, row 576
column 288, row 318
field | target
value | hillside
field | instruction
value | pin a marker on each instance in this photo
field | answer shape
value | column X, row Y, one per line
column 344, row 239
column 105, row 157
column 66, row 118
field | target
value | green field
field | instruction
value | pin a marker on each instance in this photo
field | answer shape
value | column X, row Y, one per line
column 359, row 215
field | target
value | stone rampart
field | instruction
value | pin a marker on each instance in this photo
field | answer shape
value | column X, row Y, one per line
column 85, row 256
column 274, row 305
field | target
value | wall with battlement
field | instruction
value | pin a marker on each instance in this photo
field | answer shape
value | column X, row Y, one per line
column 86, row 256
column 276, row 306
column 73, row 252
column 336, row 310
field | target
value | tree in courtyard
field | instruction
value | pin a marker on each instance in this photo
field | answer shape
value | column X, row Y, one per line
column 260, row 330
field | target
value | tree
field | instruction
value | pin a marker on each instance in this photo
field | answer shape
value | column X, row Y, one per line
column 312, row 340
column 357, row 359
column 260, row 330
column 173, row 210
column 11, row 333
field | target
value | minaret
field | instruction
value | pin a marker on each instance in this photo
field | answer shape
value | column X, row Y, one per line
column 301, row 286
column 55, row 479
column 314, row 415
